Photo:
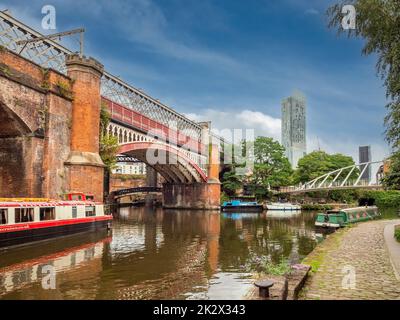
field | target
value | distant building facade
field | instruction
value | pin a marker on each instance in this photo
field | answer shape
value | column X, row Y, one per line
column 364, row 155
column 130, row 168
column 294, row 127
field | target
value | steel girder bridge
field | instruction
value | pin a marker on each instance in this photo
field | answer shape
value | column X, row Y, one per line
column 350, row 177
column 130, row 191
column 133, row 113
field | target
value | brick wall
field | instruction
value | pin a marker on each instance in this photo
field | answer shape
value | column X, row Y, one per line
column 35, row 120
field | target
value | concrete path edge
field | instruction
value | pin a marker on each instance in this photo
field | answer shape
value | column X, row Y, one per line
column 393, row 247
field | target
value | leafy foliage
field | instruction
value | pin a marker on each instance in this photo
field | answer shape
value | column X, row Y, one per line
column 317, row 163
column 392, row 179
column 108, row 144
column 316, row 206
column 263, row 264
column 231, row 182
column 271, row 167
column 397, row 234
column 383, row 198
column 378, row 23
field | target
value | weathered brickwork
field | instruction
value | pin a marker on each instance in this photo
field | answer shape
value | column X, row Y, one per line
column 87, row 179
column 86, row 74
column 85, row 167
column 119, row 182
column 49, row 135
column 36, row 116
column 21, row 166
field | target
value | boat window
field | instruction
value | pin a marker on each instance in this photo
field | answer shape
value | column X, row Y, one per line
column 90, row 211
column 47, row 214
column 74, row 212
column 3, row 216
column 89, row 197
column 76, row 197
column 23, row 215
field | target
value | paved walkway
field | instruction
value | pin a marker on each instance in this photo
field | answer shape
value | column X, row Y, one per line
column 361, row 249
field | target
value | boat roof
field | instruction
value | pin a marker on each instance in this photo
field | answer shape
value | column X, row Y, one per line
column 28, row 204
column 351, row 209
column 359, row 208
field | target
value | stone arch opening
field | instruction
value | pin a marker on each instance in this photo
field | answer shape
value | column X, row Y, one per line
column 20, row 172
column 11, row 124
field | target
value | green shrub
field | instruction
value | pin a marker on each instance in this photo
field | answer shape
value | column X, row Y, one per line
column 397, row 234
column 263, row 264
column 224, row 197
column 280, row 269
column 389, row 198
column 316, row 206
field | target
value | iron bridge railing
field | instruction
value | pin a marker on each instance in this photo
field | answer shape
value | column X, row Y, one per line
column 50, row 54
column 123, row 192
column 344, row 178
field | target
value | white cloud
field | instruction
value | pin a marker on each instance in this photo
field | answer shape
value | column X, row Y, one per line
column 266, row 125
column 262, row 124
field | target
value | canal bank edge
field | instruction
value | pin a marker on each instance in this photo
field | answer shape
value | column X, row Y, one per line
column 285, row 287
column 393, row 247
column 361, row 246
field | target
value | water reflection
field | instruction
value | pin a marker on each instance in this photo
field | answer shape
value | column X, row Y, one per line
column 163, row 254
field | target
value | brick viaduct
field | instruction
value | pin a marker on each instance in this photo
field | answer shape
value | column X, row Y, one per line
column 49, row 134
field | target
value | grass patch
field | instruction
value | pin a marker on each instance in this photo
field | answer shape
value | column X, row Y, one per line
column 263, row 264
column 280, row 269
column 317, row 256
column 64, row 89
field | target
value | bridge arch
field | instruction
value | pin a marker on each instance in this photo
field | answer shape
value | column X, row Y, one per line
column 11, row 124
column 18, row 170
column 177, row 167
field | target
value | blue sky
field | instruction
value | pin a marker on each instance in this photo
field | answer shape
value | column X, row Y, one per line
column 233, row 62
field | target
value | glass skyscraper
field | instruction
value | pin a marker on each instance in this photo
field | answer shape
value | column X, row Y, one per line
column 294, row 127
column 364, row 155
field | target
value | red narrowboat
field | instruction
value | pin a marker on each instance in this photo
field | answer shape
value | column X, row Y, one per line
column 26, row 220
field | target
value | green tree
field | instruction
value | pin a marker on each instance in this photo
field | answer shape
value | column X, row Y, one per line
column 317, row 163
column 378, row 23
column 392, row 178
column 231, row 182
column 108, row 144
column 271, row 167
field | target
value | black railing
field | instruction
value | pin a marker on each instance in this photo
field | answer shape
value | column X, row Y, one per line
column 123, row 192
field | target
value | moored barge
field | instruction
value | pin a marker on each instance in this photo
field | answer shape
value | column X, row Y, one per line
column 343, row 217
column 239, row 206
column 27, row 220
column 282, row 206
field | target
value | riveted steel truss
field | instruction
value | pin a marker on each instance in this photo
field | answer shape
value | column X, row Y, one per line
column 50, row 54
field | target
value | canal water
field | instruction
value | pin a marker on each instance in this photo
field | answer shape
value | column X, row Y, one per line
column 158, row 254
